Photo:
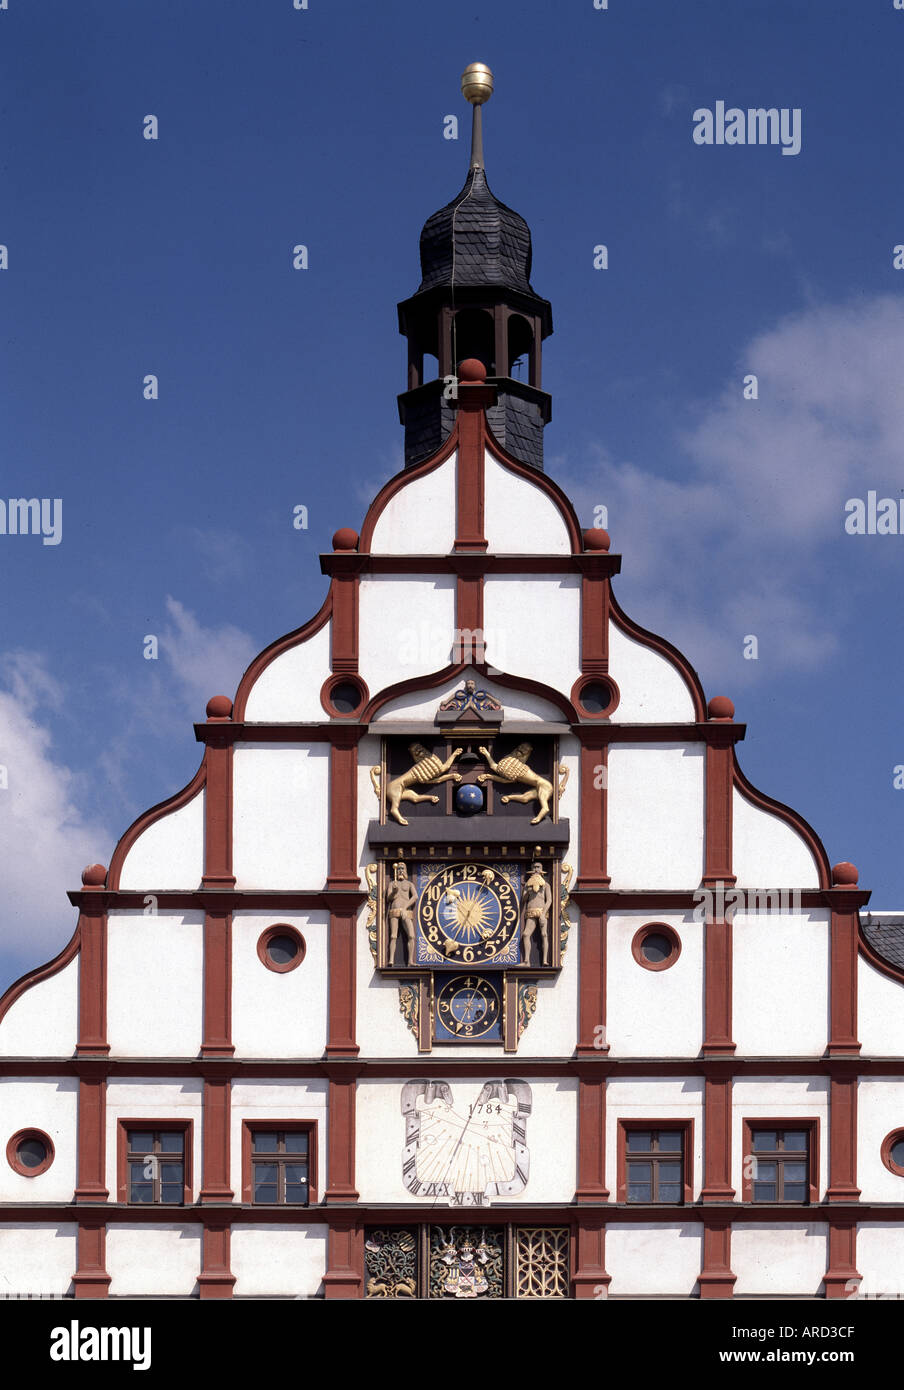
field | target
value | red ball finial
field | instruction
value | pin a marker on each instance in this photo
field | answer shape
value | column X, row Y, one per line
column 596, row 539
column 472, row 371
column 95, row 876
column 219, row 707
column 345, row 539
column 720, row 707
column 845, row 875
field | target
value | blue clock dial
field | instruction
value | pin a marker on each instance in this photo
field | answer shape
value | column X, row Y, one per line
column 468, row 1009
column 467, row 914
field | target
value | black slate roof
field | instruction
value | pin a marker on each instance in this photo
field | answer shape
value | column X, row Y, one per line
column 491, row 243
column 886, row 937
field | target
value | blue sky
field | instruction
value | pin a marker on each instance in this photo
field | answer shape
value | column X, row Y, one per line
column 277, row 387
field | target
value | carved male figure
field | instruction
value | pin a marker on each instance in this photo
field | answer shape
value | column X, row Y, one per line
column 401, row 899
column 536, row 900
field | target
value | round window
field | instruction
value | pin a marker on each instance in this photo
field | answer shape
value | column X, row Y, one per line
column 345, row 697
column 656, row 946
column 596, row 697
column 893, row 1152
column 30, row 1152
column 281, row 948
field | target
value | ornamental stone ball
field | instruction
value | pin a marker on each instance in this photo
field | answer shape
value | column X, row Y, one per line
column 720, row 707
column 845, row 875
column 595, row 538
column 219, row 707
column 472, row 371
column 345, row 539
column 477, row 84
column 94, row 876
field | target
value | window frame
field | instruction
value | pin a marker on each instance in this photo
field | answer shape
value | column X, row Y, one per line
column 159, row 1124
column 810, row 1123
column 12, row 1154
column 632, row 1126
column 656, row 929
column 893, row 1137
column 272, row 1126
column 268, row 935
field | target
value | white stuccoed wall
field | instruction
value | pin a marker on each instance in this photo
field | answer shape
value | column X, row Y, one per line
column 781, row 983
column 170, row 853
column 278, row 1261
column 274, row 1013
column 641, row 1098
column 281, row 815
column 769, row 1097
column 153, row 1258
column 422, row 704
column 380, row 1137
column 532, row 626
column 279, row 1099
column 880, row 1109
column 406, row 626
column 420, row 518
column 880, row 1012
column 43, row 1022
column 289, row 688
column 880, row 1259
column 653, row 1260
column 766, row 851
column 154, row 1098
column 654, row 1013
column 37, row 1258
column 783, row 1259
column 655, row 815
column 519, row 517
column 155, row 977
column 51, row 1105
column 652, row 689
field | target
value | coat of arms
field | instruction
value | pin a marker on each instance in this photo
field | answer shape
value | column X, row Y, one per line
column 470, row 1153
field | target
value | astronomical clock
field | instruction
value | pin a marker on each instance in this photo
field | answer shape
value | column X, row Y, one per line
column 468, row 892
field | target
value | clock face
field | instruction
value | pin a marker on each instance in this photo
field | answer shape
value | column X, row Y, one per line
column 467, row 1010
column 467, row 914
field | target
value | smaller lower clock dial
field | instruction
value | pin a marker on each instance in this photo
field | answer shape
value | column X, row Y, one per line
column 467, row 1007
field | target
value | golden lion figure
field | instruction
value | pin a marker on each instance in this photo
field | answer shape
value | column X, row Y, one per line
column 514, row 768
column 427, row 770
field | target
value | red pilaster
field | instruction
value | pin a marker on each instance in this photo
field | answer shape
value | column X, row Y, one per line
column 591, row 1184
column 345, row 569
column 843, row 1012
column 91, row 1279
column 716, row 1279
column 469, row 610
column 216, row 1040
column 590, row 1279
column 595, row 572
column 717, row 1139
column 92, row 972
column 343, row 866
column 344, row 1277
column 717, row 992
column 473, row 398
column 215, row 1134
column 218, row 799
column 843, row 1137
column 722, row 734
column 341, row 1140
column 216, row 1279
column 842, row 1278
column 92, row 1113
column 592, row 1039
column 594, row 769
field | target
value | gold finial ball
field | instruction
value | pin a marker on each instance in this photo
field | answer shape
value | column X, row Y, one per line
column 477, row 83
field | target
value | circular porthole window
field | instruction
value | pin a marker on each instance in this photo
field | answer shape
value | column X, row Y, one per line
column 30, row 1152
column 893, row 1152
column 595, row 696
column 342, row 696
column 656, row 946
column 281, row 948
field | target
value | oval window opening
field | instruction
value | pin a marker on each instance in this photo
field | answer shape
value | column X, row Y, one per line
column 282, row 950
column 656, row 948
column 31, row 1153
column 345, row 697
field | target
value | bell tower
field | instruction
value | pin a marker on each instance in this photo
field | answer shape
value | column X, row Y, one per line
column 475, row 300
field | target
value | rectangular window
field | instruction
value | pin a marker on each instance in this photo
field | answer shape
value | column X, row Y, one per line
column 780, row 1161
column 654, row 1162
column 279, row 1162
column 154, row 1162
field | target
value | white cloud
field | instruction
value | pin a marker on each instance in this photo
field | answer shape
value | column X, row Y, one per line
column 45, row 841
column 737, row 541
column 205, row 661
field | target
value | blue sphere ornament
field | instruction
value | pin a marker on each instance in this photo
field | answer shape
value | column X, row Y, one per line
column 468, row 799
